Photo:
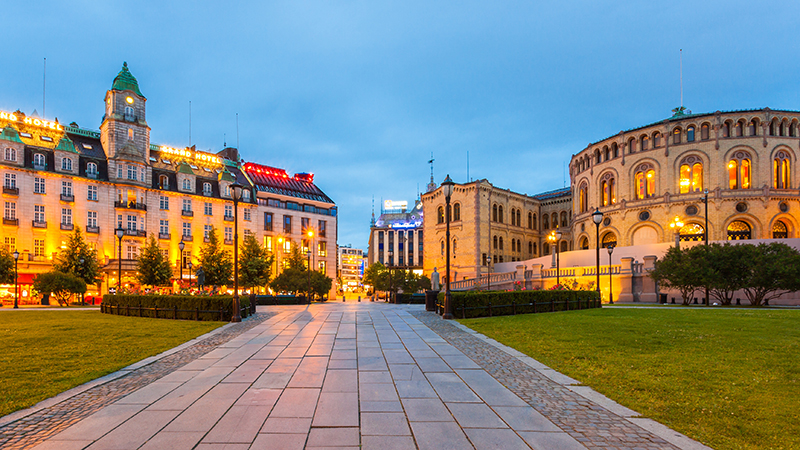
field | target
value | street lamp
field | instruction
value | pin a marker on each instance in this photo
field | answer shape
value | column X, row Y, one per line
column 610, row 291
column 597, row 217
column 278, row 249
column 16, row 279
column 308, row 276
column 190, row 273
column 447, row 189
column 120, row 233
column 555, row 237
column 705, row 200
column 676, row 225
column 181, row 246
column 236, row 189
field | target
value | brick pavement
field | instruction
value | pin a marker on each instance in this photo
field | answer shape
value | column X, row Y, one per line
column 348, row 375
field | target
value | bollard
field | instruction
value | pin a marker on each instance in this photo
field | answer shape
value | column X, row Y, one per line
column 359, row 299
column 738, row 301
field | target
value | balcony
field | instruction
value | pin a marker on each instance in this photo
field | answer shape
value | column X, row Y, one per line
column 227, row 218
column 186, row 238
column 207, row 193
column 95, row 230
column 67, row 198
column 228, row 241
column 37, row 224
column 10, row 190
column 186, row 213
column 92, row 175
column 165, row 236
column 14, row 222
column 37, row 258
column 206, row 240
column 67, row 226
column 136, row 233
column 131, row 205
column 39, row 166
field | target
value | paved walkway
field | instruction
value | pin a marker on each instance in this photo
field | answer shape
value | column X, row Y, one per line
column 351, row 375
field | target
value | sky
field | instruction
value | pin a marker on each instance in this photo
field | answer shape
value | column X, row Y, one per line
column 360, row 93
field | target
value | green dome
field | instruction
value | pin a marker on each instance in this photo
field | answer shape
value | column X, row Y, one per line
column 126, row 81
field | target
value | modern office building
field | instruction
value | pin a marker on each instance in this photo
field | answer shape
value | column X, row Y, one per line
column 396, row 237
column 351, row 268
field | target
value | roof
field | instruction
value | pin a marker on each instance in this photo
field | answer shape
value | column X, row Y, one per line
column 10, row 134
column 65, row 144
column 562, row 192
column 126, row 81
column 277, row 181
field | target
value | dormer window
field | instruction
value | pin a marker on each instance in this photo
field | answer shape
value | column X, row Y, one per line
column 91, row 169
column 186, row 185
column 10, row 154
column 128, row 114
column 206, row 188
column 163, row 182
column 38, row 161
column 246, row 195
column 66, row 164
column 227, row 191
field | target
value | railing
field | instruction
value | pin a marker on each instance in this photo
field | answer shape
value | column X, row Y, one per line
column 94, row 230
column 92, row 175
column 471, row 283
column 110, row 309
column 228, row 241
column 131, row 205
column 67, row 198
column 37, row 224
column 10, row 190
column 227, row 218
column 36, row 258
column 187, row 238
column 137, row 233
column 39, row 166
column 14, row 222
column 187, row 213
column 164, row 236
column 67, row 226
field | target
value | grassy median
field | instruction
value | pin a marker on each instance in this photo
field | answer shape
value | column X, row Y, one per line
column 729, row 378
column 43, row 353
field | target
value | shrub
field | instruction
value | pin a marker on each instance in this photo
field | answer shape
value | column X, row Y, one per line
column 499, row 303
column 187, row 305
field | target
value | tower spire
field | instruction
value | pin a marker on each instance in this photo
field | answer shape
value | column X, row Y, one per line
column 432, row 184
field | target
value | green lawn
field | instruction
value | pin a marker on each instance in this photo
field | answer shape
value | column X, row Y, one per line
column 729, row 378
column 43, row 353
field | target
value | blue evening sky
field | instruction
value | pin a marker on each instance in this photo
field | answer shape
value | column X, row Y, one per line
column 361, row 92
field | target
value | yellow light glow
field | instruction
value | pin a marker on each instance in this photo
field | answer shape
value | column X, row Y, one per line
column 685, row 182
column 31, row 121
column 310, row 233
column 676, row 223
column 129, row 100
column 731, row 165
column 649, row 174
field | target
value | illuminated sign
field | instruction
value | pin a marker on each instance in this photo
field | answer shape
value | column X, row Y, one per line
column 394, row 204
column 404, row 225
column 41, row 123
column 200, row 157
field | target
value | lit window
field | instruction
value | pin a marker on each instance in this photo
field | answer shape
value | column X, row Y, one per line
column 645, row 182
column 781, row 171
column 739, row 171
column 690, row 134
column 779, row 230
column 691, row 175
column 608, row 190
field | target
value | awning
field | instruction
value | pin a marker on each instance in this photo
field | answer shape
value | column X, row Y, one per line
column 26, row 278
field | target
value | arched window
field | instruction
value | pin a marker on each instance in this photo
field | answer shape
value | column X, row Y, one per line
column 645, row 143
column 584, row 244
column 657, row 139
column 186, row 184
column 206, row 188
column 519, row 218
column 726, row 129
column 773, row 127
column 691, row 175
column 690, row 134
column 440, row 215
column 753, row 128
column 38, row 160
column 530, row 248
column 792, row 130
column 545, row 248
column 692, row 232
column 563, row 218
column 614, row 150
column 607, row 153
column 782, row 130
column 163, row 182
column 91, row 169
column 457, row 212
column 530, row 220
column 534, row 248
column 597, row 156
column 10, row 154
column 563, row 246
column 631, row 145
column 500, row 213
column 676, row 136
column 442, row 251
column 534, row 222
column 494, row 246
column 704, row 132
column 513, row 217
column 609, row 239
column 545, row 222
column 739, row 130
column 66, row 164
column 454, row 247
column 500, row 242
column 513, row 245
column 582, row 201
column 554, row 220
column 779, row 230
column 608, row 190
column 739, row 171
column 645, row 181
column 494, row 213
column 738, row 230
column 128, row 113
column 781, row 171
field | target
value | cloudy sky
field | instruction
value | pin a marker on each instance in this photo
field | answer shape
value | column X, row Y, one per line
column 361, row 92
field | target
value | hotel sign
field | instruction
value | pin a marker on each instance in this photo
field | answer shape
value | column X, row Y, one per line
column 199, row 157
column 41, row 123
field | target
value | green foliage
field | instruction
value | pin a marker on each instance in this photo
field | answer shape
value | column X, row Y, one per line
column 728, row 268
column 320, row 284
column 296, row 260
column 61, row 285
column 216, row 263
column 6, row 267
column 371, row 273
column 298, row 281
column 774, row 271
column 187, row 305
column 78, row 259
column 382, row 278
column 255, row 263
column 469, row 304
column 682, row 269
column 152, row 268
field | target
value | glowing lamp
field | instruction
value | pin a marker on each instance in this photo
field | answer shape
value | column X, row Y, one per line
column 129, row 100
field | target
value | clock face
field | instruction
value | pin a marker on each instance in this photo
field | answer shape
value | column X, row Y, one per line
column 129, row 100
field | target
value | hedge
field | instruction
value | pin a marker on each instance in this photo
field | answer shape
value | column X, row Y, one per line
column 470, row 304
column 187, row 307
column 413, row 299
column 279, row 300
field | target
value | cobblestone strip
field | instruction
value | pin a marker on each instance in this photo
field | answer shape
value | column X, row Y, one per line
column 591, row 424
column 31, row 430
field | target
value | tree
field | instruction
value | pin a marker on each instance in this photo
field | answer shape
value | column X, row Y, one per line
column 152, row 267
column 774, row 271
column 320, row 284
column 295, row 260
column 78, row 259
column 728, row 268
column 6, row 267
column 290, row 280
column 216, row 263
column 255, row 263
column 61, row 285
column 684, row 270
column 371, row 274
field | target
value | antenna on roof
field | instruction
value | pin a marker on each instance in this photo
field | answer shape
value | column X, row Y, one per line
column 190, row 123
column 44, row 85
column 681, row 53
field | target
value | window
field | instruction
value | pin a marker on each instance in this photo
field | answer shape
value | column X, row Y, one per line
column 690, row 134
column 322, row 249
column 38, row 247
column 91, row 192
column 704, row 134
column 10, row 244
column 131, row 172
column 781, row 171
column 287, row 246
column 500, row 242
column 163, row 202
column 554, row 220
column 186, row 184
column 10, row 181
column 609, row 239
column 535, row 223
column 186, row 258
column 163, row 182
column 494, row 213
column 608, row 190
column 323, row 267
column 726, row 129
column 564, row 218
column 267, row 221
column 66, row 164
column 91, row 169
column 739, row 129
column 632, row 145
column 500, row 216
column 10, row 211
column 129, row 116
column 228, row 212
column 10, row 154
column 163, row 226
column 322, row 226
column 440, row 214
column 187, row 229
column 753, row 128
column 38, row 213
column 692, row 232
column 66, row 188
column 545, row 222
column 676, row 136
column 645, row 182
column 691, row 171
column 656, row 139
column 287, row 224
column 457, row 211
column 132, row 222
column 514, row 245
column 582, row 198
column 738, row 230
column 779, row 230
column 187, row 204
column 91, row 219
column 206, row 231
column 66, row 216
column 247, row 214
column 38, row 185
column 739, row 171
column 132, row 251
column 645, row 142
column 304, row 224
column 206, row 188
column 228, row 234
column 207, row 209
column 246, row 195
column 442, row 248
column 119, row 171
column 38, row 161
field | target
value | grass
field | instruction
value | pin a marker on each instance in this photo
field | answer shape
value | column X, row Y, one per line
column 729, row 378
column 47, row 352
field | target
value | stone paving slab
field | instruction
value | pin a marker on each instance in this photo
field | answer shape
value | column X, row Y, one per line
column 364, row 375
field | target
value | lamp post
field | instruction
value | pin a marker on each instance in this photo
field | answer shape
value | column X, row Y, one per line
column 489, row 272
column 16, row 279
column 120, row 233
column 705, row 200
column 181, row 246
column 308, row 276
column 190, row 273
column 447, row 189
column 676, row 225
column 610, row 289
column 236, row 190
column 278, row 249
column 555, row 237
column 597, row 217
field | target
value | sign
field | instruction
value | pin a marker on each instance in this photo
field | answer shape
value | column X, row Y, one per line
column 41, row 123
column 395, row 204
column 199, row 157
